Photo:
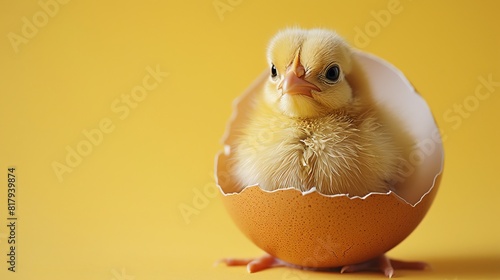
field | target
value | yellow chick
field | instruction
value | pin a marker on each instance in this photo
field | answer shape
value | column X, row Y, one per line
column 308, row 129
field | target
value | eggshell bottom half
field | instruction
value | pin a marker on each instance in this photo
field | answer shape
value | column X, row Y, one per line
column 314, row 230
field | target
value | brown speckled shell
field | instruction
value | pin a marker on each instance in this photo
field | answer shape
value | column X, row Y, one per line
column 314, row 230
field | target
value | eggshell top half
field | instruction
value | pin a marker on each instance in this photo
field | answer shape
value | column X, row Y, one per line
column 314, row 230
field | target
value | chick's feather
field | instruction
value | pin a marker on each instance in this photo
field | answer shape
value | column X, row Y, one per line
column 331, row 139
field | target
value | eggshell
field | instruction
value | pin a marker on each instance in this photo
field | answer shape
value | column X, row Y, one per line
column 314, row 230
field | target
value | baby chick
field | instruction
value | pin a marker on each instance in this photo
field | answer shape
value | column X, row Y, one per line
column 308, row 129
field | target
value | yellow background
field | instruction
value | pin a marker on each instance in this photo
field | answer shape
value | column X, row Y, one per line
column 117, row 214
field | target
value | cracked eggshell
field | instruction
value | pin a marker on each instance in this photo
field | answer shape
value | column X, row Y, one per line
column 314, row 230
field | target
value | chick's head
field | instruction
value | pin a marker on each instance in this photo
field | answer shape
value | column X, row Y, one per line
column 307, row 73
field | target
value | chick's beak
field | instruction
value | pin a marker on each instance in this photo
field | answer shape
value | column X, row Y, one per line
column 294, row 81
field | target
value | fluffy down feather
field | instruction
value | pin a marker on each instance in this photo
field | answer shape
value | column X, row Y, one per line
column 331, row 139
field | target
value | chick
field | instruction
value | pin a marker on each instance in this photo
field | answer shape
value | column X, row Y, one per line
column 308, row 129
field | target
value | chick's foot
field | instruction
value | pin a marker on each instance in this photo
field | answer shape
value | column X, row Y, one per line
column 381, row 263
column 255, row 264
column 384, row 265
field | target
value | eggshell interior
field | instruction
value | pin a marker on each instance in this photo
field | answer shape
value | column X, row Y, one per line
column 310, row 229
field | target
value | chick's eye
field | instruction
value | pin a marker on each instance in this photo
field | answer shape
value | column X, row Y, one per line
column 333, row 73
column 274, row 72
